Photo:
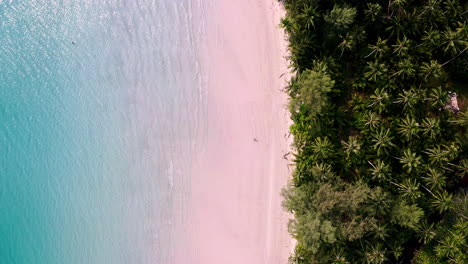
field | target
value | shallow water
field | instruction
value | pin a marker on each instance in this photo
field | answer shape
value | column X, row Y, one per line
column 100, row 101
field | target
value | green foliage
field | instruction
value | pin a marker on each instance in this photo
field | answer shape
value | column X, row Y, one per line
column 341, row 18
column 373, row 11
column 351, row 147
column 410, row 160
column 426, row 232
column 430, row 127
column 335, row 212
column 447, row 242
column 382, row 141
column 376, row 71
column 408, row 128
column 380, row 171
column 374, row 254
column 381, row 165
column 322, row 149
column 442, row 201
column 312, row 88
column 406, row 215
column 435, row 179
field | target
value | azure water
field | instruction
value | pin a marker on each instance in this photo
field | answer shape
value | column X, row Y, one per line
column 99, row 101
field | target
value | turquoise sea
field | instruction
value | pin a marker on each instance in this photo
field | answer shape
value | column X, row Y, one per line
column 99, row 106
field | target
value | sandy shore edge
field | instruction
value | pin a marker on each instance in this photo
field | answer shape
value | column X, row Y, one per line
column 234, row 212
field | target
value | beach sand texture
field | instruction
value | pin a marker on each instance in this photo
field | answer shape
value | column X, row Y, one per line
column 234, row 209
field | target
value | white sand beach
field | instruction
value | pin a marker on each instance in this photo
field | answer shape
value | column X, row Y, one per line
column 234, row 208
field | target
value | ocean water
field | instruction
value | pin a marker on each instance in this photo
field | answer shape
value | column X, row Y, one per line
column 100, row 101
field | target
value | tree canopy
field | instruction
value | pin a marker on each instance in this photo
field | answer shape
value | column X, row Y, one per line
column 381, row 164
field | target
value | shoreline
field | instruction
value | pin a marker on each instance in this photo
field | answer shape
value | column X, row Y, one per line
column 234, row 212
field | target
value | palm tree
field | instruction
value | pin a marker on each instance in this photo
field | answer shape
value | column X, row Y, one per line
column 381, row 231
column 375, row 71
column 438, row 97
column 425, row 232
column 322, row 148
column 437, row 155
column 410, row 160
column 340, row 17
column 435, row 179
column 371, row 119
column 406, row 68
column 379, row 99
column 432, row 38
column 452, row 149
column 401, row 48
column 462, row 119
column 287, row 23
column 352, row 146
column 453, row 6
column 380, row 201
column 442, row 201
column 430, row 127
column 396, row 26
column 380, row 170
column 408, row 98
column 408, row 128
column 322, row 172
column 396, row 249
column 320, row 66
column 432, row 69
column 462, row 29
column 353, row 38
column 399, row 3
column 309, row 15
column 462, row 168
column 409, row 189
column 449, row 248
column 347, row 43
column 339, row 257
column 375, row 254
column 379, row 48
column 453, row 41
column 373, row 11
column 432, row 6
column 382, row 141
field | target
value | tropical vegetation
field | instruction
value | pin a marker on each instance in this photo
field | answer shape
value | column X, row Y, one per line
column 380, row 150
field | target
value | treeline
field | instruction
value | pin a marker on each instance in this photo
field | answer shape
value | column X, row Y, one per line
column 380, row 130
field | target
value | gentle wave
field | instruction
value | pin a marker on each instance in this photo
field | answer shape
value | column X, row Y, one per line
column 100, row 104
